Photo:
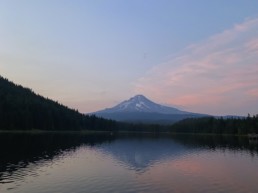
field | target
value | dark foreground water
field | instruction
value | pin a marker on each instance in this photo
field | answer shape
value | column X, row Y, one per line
column 73, row 163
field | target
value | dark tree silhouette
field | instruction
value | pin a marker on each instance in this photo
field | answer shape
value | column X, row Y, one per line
column 22, row 109
column 236, row 126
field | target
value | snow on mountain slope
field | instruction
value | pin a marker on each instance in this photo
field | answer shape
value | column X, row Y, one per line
column 142, row 110
column 140, row 103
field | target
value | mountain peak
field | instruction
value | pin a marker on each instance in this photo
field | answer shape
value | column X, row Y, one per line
column 140, row 109
column 140, row 103
column 138, row 98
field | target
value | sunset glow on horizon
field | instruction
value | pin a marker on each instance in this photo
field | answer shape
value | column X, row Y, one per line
column 89, row 55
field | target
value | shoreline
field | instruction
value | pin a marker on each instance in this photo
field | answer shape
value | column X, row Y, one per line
column 113, row 132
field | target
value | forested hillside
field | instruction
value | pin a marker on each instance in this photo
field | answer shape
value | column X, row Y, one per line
column 22, row 109
column 236, row 126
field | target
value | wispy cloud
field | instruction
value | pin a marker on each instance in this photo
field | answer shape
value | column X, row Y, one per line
column 218, row 75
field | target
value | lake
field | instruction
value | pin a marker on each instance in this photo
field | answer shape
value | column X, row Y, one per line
column 78, row 163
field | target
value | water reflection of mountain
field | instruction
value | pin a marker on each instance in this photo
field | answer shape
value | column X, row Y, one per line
column 26, row 151
column 19, row 151
column 139, row 154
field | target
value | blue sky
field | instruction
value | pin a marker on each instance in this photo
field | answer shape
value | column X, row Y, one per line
column 198, row 55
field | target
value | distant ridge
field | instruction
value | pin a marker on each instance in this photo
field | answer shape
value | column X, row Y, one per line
column 142, row 110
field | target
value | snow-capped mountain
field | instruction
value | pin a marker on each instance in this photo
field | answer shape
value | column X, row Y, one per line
column 140, row 103
column 140, row 109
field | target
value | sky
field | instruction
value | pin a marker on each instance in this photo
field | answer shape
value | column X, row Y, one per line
column 200, row 56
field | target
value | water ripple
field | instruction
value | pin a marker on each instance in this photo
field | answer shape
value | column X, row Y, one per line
column 134, row 165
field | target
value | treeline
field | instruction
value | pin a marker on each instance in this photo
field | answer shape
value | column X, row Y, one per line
column 22, row 109
column 236, row 126
column 204, row 125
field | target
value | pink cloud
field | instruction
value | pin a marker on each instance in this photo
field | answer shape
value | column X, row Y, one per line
column 252, row 45
column 211, row 74
column 253, row 92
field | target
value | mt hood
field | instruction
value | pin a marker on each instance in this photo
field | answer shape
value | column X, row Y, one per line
column 141, row 109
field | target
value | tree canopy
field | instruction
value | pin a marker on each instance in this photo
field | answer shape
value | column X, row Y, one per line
column 22, row 109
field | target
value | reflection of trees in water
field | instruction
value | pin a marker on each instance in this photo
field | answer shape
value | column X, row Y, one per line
column 230, row 142
column 218, row 142
column 18, row 151
column 137, row 151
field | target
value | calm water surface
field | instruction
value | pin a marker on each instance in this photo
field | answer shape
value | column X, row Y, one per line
column 65, row 163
